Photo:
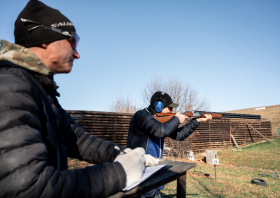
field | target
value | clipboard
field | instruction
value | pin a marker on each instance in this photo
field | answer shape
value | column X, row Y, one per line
column 149, row 173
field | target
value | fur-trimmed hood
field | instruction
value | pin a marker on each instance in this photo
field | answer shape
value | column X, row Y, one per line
column 22, row 57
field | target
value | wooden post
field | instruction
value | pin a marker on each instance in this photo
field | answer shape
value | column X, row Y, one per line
column 181, row 186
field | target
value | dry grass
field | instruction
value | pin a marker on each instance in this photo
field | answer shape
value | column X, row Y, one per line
column 230, row 182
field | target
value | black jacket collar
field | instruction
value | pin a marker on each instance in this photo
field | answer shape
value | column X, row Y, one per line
column 151, row 110
column 46, row 82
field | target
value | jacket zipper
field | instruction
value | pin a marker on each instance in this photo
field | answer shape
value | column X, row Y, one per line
column 159, row 147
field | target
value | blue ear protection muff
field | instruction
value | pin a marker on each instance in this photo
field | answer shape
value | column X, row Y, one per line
column 158, row 106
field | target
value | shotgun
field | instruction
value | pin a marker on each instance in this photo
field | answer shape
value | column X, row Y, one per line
column 164, row 117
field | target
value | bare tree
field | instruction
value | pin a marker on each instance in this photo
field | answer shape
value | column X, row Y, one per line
column 122, row 105
column 181, row 93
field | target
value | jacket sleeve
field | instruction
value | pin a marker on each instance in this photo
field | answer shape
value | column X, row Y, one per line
column 151, row 127
column 185, row 131
column 82, row 145
column 24, row 169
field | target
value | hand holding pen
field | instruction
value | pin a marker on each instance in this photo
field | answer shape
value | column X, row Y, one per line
column 149, row 160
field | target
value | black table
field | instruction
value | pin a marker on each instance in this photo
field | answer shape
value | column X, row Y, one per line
column 178, row 171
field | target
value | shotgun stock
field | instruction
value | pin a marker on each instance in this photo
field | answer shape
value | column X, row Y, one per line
column 164, row 117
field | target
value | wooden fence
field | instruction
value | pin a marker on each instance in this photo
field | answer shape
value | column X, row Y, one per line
column 215, row 134
column 105, row 125
column 218, row 134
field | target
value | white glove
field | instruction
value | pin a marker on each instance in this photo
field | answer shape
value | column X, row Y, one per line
column 133, row 165
column 150, row 160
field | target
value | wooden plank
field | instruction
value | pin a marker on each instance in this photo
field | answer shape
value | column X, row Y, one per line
column 234, row 141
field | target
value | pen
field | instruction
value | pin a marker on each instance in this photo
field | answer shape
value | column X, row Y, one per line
column 120, row 149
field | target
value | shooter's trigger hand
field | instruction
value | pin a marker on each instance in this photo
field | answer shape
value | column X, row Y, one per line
column 181, row 117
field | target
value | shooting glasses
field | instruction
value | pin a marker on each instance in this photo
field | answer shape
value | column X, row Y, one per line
column 73, row 38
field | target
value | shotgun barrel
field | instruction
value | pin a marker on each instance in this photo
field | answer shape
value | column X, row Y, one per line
column 232, row 115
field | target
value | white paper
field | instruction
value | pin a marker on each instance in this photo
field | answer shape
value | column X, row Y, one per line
column 146, row 174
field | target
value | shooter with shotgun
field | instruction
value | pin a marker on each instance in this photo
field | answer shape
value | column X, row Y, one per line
column 147, row 132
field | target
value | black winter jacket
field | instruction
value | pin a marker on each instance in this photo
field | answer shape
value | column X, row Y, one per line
column 146, row 132
column 36, row 137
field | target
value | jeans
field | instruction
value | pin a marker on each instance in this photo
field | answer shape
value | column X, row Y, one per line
column 155, row 193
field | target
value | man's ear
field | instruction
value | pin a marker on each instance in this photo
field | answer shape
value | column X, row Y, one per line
column 44, row 45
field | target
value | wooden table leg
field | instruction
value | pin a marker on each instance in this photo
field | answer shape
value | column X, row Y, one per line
column 181, row 186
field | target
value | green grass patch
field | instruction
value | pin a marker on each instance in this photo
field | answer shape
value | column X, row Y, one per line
column 235, row 181
column 230, row 182
column 263, row 155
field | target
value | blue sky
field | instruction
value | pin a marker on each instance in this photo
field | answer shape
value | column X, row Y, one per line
column 228, row 50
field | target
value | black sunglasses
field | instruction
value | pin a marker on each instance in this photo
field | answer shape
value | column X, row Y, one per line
column 73, row 37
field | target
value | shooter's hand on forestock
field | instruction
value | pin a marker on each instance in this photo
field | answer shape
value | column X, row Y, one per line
column 133, row 164
column 207, row 117
column 181, row 117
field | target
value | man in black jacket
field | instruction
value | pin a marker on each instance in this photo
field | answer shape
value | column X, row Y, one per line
column 36, row 133
column 146, row 132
